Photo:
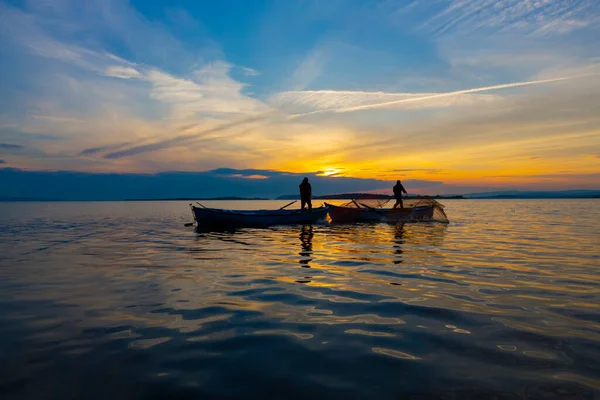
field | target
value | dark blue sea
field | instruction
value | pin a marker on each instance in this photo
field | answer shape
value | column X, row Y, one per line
column 118, row 300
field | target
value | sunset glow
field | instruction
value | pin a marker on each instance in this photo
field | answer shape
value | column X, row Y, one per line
column 508, row 99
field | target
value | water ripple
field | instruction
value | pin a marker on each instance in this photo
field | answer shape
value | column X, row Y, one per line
column 120, row 300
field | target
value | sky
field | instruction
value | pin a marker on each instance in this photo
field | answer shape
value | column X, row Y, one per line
column 450, row 96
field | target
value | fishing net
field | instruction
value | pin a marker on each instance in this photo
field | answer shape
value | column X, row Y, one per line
column 369, row 203
column 439, row 215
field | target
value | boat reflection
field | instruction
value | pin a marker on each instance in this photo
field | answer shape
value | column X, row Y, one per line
column 204, row 229
column 306, row 236
column 398, row 242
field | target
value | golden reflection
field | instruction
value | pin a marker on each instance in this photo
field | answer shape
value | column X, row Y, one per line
column 147, row 343
column 582, row 380
column 369, row 333
column 394, row 353
column 301, row 336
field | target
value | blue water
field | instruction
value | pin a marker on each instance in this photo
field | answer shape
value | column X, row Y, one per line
column 121, row 301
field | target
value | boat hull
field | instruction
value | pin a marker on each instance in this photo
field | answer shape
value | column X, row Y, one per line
column 215, row 217
column 340, row 214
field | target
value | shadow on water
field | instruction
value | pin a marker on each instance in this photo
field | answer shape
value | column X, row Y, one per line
column 398, row 242
column 306, row 237
column 203, row 229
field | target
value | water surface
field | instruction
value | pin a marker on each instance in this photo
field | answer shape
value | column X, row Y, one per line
column 120, row 300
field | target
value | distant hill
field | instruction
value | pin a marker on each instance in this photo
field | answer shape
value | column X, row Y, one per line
column 200, row 199
column 16, row 199
column 337, row 196
column 507, row 194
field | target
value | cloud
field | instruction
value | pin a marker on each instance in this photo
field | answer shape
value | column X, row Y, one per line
column 508, row 40
column 13, row 133
column 249, row 71
column 414, row 169
column 59, row 119
column 466, row 17
column 180, row 139
column 210, row 90
column 432, row 171
column 102, row 149
column 556, row 124
column 117, row 71
column 437, row 96
column 147, row 105
column 301, row 102
column 249, row 176
column 9, row 146
column 567, row 175
column 119, row 25
column 31, row 32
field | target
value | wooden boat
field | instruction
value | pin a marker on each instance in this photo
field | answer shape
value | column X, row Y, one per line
column 364, row 213
column 216, row 217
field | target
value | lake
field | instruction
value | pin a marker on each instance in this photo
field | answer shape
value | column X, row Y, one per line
column 119, row 300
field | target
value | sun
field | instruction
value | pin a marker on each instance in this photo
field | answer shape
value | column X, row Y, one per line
column 331, row 172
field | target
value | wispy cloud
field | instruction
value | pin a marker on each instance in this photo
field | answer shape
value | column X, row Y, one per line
column 25, row 30
column 568, row 175
column 484, row 40
column 103, row 149
column 59, row 119
column 205, row 98
column 249, row 71
column 9, row 146
column 300, row 102
column 210, row 90
column 437, row 96
column 249, row 176
column 123, row 72
column 419, row 170
column 527, row 16
column 181, row 140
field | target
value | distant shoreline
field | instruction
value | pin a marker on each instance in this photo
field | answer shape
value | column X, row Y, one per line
column 498, row 197
column 227, row 198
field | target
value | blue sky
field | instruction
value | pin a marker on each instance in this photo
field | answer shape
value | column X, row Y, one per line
column 471, row 93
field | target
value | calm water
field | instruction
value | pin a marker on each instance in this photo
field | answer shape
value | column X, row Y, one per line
column 120, row 300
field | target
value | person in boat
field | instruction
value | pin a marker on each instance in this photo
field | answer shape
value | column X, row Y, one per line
column 305, row 194
column 398, row 189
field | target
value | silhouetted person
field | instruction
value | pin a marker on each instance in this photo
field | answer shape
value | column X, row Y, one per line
column 305, row 194
column 398, row 189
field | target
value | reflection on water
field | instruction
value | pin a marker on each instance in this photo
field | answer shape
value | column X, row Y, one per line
column 398, row 242
column 119, row 299
column 306, row 236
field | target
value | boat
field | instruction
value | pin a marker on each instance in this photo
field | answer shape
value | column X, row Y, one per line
column 413, row 211
column 217, row 217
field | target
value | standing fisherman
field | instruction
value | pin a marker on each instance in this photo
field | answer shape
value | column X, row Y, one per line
column 398, row 189
column 305, row 194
